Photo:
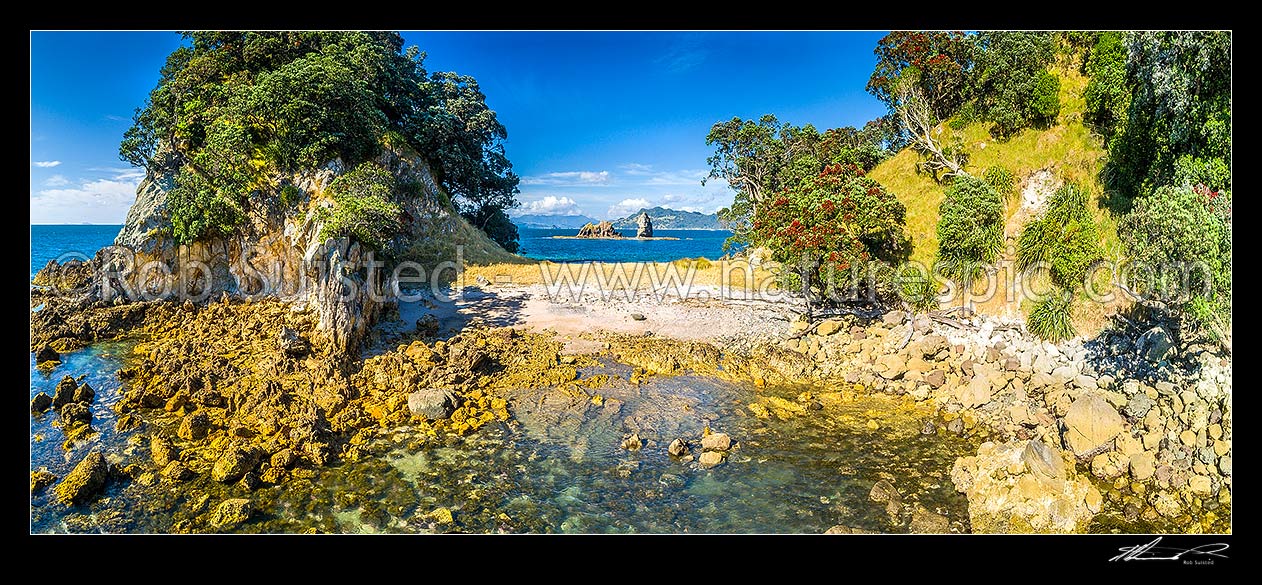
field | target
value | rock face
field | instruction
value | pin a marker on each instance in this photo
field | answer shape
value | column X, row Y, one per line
column 646, row 226
column 1090, row 425
column 431, row 403
column 84, row 481
column 279, row 251
column 1023, row 487
column 602, row 230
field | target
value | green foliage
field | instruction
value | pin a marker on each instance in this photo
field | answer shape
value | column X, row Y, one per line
column 1052, row 318
column 831, row 223
column 943, row 61
column 1180, row 105
column 290, row 194
column 1012, row 84
column 362, row 207
column 1179, row 240
column 967, row 114
column 970, row 228
column 1107, row 95
column 233, row 109
column 495, row 223
column 1002, row 180
column 917, row 288
column 1064, row 238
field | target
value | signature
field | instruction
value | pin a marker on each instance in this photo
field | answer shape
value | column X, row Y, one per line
column 1152, row 552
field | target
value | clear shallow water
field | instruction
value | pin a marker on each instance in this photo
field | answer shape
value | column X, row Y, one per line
column 559, row 468
column 537, row 244
column 66, row 242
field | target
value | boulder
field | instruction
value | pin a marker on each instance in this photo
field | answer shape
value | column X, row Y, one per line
column 976, row 393
column 427, row 326
column 84, row 481
column 431, row 403
column 893, row 318
column 828, row 327
column 46, row 353
column 677, row 448
column 1043, row 460
column 41, row 403
column 1143, row 465
column 232, row 465
column 1091, row 424
column 716, row 442
column 1155, row 344
column 1109, row 465
column 891, row 366
column 924, row 521
column 194, row 426
column 64, row 394
column 162, row 451
column 75, row 414
column 710, row 459
column 176, row 471
column 1138, row 406
column 1006, row 497
column 935, row 378
column 645, row 226
column 84, row 394
column 230, row 513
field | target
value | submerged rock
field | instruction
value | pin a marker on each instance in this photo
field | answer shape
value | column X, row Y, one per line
column 632, row 443
column 1005, row 496
column 710, row 459
column 231, row 513
column 84, row 481
column 40, row 479
column 924, row 521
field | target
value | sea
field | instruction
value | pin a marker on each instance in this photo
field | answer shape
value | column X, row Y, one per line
column 64, row 242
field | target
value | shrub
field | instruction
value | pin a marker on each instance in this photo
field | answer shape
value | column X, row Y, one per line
column 1106, row 94
column 970, row 228
column 1064, row 237
column 290, row 194
column 917, row 288
column 1014, row 89
column 1052, row 318
column 1045, row 101
column 362, row 208
column 1002, row 180
column 1183, row 237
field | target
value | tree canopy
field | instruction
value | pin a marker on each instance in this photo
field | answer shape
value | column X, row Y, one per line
column 231, row 109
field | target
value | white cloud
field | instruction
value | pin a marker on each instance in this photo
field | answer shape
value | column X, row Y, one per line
column 636, row 169
column 627, row 207
column 586, row 178
column 46, row 164
column 57, row 181
column 96, row 201
column 550, row 205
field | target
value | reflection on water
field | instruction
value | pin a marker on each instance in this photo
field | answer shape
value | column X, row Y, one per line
column 557, row 468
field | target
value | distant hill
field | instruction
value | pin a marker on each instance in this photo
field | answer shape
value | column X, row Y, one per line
column 671, row 219
column 546, row 222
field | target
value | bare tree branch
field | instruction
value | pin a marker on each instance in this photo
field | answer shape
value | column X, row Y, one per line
column 918, row 120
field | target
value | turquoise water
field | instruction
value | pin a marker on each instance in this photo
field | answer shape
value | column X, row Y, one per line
column 66, row 242
column 536, row 243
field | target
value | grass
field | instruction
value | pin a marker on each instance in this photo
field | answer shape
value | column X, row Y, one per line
column 1068, row 149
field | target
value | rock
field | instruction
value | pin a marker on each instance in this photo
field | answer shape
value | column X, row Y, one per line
column 84, row 394
column 956, row 426
column 632, row 443
column 283, row 459
column 1138, row 406
column 162, row 451
column 975, row 394
column 1043, row 459
column 828, row 327
column 930, row 345
column 442, row 516
column 645, row 229
column 1154, row 345
column 602, row 230
column 250, row 481
column 194, row 426
column 84, row 481
column 843, row 529
column 710, row 459
column 924, row 521
column 427, row 326
column 1167, row 505
column 1188, row 438
column 716, row 442
column 1109, row 465
column 46, row 353
column 1201, row 485
column 74, row 414
column 1005, row 497
column 1224, row 465
column 40, row 479
column 1143, row 465
column 1091, row 424
column 64, row 394
column 431, row 403
column 231, row 513
column 883, row 491
column 677, row 448
column 893, row 318
column 935, row 378
column 292, row 344
column 232, row 465
column 928, row 428
column 891, row 366
column 176, row 471
column 41, row 403
column 638, row 316
column 1044, row 364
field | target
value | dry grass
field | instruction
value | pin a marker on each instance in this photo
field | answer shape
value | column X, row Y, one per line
column 1069, row 150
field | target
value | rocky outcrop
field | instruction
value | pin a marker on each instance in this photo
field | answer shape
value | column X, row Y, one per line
column 645, row 226
column 1024, row 487
column 602, row 230
column 84, row 481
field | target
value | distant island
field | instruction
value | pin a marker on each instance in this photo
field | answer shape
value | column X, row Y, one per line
column 552, row 221
column 671, row 219
column 605, row 231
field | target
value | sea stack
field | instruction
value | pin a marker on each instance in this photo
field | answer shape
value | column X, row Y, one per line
column 602, row 230
column 646, row 226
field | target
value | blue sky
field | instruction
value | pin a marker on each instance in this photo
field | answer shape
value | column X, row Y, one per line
column 599, row 123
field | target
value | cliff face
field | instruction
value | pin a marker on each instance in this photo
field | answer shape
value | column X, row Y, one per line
column 279, row 252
